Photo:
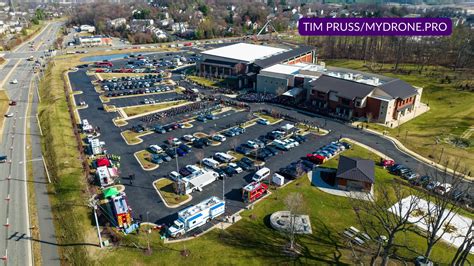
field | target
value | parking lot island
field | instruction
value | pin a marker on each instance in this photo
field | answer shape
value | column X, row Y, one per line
column 143, row 158
column 164, row 188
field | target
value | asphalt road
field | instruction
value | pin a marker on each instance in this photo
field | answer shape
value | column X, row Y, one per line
column 15, row 244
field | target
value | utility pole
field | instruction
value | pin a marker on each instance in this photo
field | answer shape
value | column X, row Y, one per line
column 148, row 233
column 97, row 223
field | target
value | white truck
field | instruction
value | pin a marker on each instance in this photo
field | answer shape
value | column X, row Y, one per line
column 195, row 181
column 195, row 216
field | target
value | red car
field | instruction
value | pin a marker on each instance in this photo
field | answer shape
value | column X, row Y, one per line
column 316, row 158
column 385, row 163
column 99, row 70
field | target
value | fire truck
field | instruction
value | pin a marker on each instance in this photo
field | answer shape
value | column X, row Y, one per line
column 254, row 191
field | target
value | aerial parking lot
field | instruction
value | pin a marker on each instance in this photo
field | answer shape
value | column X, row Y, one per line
column 183, row 147
column 193, row 131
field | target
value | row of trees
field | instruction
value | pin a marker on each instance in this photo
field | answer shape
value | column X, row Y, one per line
column 456, row 51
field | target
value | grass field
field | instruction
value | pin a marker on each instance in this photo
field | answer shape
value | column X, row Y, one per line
column 148, row 108
column 451, row 114
column 3, row 106
column 166, row 190
column 252, row 242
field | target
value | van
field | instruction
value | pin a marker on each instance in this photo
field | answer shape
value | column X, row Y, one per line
column 175, row 176
column 261, row 174
column 211, row 163
column 224, row 157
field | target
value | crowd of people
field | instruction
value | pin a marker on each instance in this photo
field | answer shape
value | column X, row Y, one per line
column 196, row 106
column 257, row 97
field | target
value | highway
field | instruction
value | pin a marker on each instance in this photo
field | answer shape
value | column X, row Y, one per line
column 15, row 233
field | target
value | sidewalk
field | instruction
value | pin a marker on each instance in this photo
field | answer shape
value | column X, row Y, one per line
column 415, row 155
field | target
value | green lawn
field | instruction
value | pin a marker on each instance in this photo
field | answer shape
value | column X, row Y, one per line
column 451, row 114
column 252, row 242
column 166, row 190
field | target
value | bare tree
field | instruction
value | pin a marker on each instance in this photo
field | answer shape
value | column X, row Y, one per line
column 199, row 156
column 382, row 220
column 295, row 204
column 460, row 258
column 440, row 210
column 234, row 143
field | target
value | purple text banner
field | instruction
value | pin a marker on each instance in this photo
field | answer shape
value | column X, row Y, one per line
column 375, row 26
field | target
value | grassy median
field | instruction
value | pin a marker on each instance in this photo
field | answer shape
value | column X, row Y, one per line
column 164, row 186
column 3, row 106
column 144, row 158
column 132, row 137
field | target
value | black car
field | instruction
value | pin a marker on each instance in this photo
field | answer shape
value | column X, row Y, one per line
column 243, row 165
column 165, row 157
column 272, row 149
column 288, row 172
column 184, row 172
column 220, row 172
column 247, row 161
column 171, row 152
column 229, row 171
column 198, row 143
column 185, row 148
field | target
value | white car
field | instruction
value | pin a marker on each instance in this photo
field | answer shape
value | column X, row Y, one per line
column 443, row 188
column 252, row 144
column 9, row 115
column 189, row 138
column 155, row 149
column 263, row 121
column 237, row 168
column 219, row 138
column 175, row 176
column 174, row 141
column 14, row 81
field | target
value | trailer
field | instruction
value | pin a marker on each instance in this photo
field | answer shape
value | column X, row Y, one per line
column 254, row 191
column 195, row 181
column 196, row 216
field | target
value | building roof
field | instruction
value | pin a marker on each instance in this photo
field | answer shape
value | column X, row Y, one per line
column 244, row 52
column 281, row 69
column 344, row 88
column 356, row 169
column 278, row 58
column 398, row 89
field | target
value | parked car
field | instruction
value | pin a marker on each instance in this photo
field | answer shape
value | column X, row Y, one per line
column 174, row 141
column 244, row 166
column 263, row 121
column 251, row 144
column 229, row 171
column 237, row 168
column 171, row 153
column 181, row 152
column 159, row 129
column 421, row 181
column 219, row 138
column 189, row 138
column 155, row 149
column 247, row 161
column 184, row 147
column 443, row 188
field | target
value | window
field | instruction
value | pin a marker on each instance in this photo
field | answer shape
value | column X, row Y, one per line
column 345, row 101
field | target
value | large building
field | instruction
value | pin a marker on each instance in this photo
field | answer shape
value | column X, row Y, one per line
column 241, row 62
column 345, row 93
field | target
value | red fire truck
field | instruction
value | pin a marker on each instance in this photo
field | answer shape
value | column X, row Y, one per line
column 254, row 191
